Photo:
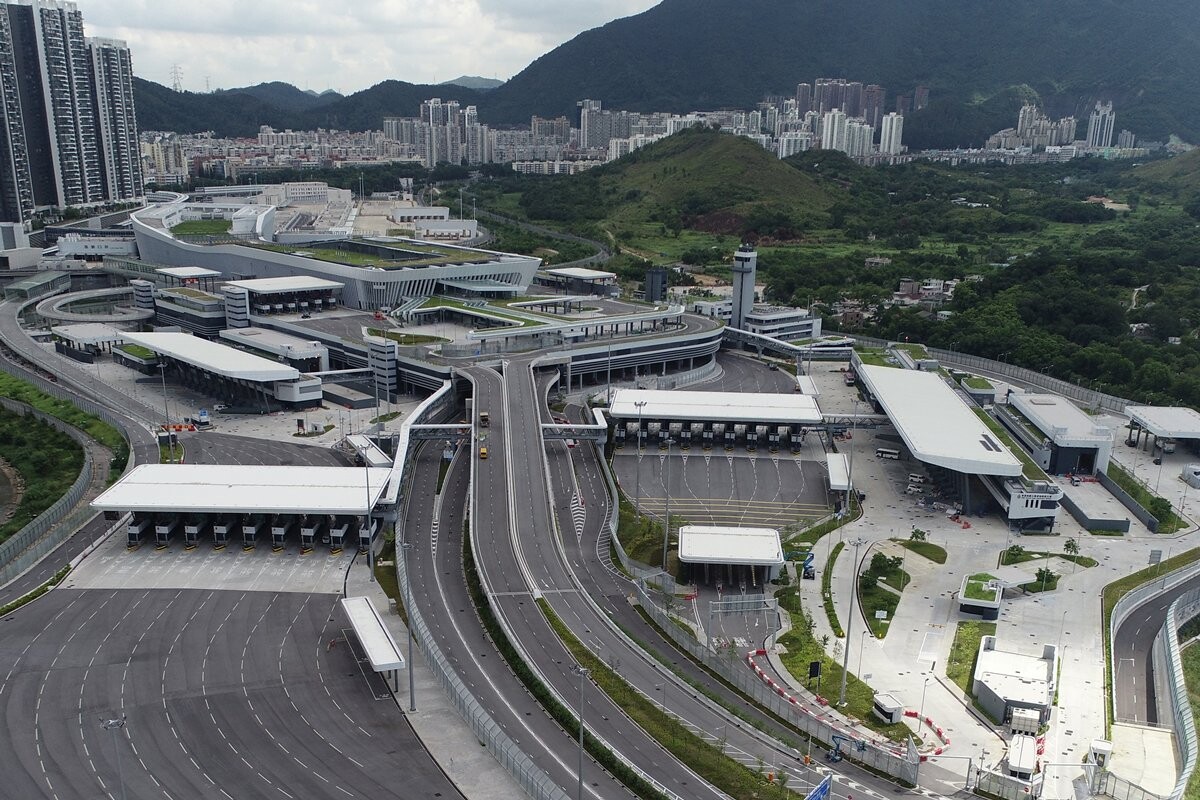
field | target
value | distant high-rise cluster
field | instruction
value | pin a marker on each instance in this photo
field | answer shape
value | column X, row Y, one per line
column 444, row 132
column 845, row 115
column 1036, row 132
column 69, row 134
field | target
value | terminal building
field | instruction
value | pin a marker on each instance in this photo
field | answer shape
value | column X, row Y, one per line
column 242, row 379
column 937, row 427
column 1061, row 438
column 730, row 557
column 248, row 505
column 708, row 419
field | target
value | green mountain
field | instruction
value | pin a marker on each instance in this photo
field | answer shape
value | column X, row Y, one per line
column 473, row 82
column 698, row 180
column 284, row 96
column 704, row 54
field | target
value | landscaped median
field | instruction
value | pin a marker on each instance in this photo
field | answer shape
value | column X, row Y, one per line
column 1159, row 507
column 879, row 589
column 964, row 652
column 827, row 591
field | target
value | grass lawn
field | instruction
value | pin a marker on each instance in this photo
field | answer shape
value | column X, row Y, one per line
column 1191, row 677
column 405, row 338
column 1029, row 469
column 137, row 351
column 917, row 351
column 202, row 227
column 934, row 552
column 975, row 382
column 977, row 587
column 1146, row 498
column 874, row 358
column 965, row 650
column 874, row 597
column 1035, row 586
column 1008, row 557
column 482, row 311
column 388, row 417
column 802, row 649
column 827, row 590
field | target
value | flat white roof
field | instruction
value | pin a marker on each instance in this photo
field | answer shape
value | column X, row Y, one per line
column 582, row 273
column 1060, row 419
column 1167, row 422
column 712, row 544
column 374, row 636
column 187, row 272
column 748, row 407
column 212, row 489
column 291, row 283
column 271, row 340
column 806, row 385
column 1015, row 677
column 216, row 358
column 1022, row 753
column 936, row 424
column 839, row 471
column 89, row 333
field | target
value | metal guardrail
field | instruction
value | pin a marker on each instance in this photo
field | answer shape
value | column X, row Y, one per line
column 821, row 727
column 1181, row 611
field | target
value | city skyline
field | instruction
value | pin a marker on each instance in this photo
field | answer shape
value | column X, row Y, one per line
column 228, row 45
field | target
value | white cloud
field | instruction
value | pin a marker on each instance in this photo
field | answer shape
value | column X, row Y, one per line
column 308, row 43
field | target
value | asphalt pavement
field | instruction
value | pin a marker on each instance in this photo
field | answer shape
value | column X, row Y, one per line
column 221, row 694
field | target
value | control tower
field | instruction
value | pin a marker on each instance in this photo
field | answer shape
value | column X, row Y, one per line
column 745, row 265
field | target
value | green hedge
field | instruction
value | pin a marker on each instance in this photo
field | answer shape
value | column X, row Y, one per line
column 48, row 460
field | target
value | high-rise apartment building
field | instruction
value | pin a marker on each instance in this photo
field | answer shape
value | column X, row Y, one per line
column 804, row 98
column 872, row 101
column 1100, row 126
column 890, row 134
column 69, row 132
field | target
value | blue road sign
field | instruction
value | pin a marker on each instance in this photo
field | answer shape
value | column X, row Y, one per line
column 821, row 790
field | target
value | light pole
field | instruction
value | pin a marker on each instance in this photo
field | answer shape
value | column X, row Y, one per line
column 667, row 507
column 921, row 713
column 582, row 672
column 639, row 405
column 367, row 521
column 112, row 726
column 858, row 542
column 162, row 371
column 850, row 464
column 412, row 695
column 862, row 640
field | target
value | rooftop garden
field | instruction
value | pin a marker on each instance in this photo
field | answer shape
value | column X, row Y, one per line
column 1029, row 469
column 874, row 358
column 978, row 383
column 359, row 255
column 405, row 338
column 977, row 587
column 202, row 227
column 485, row 311
column 137, row 351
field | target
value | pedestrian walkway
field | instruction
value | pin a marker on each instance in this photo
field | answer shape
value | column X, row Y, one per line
column 436, row 721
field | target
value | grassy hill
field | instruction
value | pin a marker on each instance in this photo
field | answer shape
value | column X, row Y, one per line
column 1176, row 177
column 693, row 188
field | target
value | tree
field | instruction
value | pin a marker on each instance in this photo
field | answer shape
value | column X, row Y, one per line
column 1013, row 553
column 917, row 535
column 1046, row 575
column 1071, row 547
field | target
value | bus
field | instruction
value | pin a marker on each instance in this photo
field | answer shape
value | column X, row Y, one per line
column 887, row 452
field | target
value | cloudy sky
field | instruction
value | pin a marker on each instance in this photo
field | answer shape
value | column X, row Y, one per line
column 319, row 44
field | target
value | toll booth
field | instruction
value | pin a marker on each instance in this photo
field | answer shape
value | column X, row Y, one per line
column 193, row 529
column 136, row 529
column 281, row 527
column 312, row 527
column 251, row 527
column 366, row 533
column 221, row 530
column 337, row 533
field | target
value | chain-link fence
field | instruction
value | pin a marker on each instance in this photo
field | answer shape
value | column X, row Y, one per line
column 821, row 726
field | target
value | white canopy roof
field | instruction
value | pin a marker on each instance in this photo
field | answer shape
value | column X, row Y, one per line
column 936, row 424
column 374, row 636
column 223, row 488
column 748, row 407
column 216, row 358
column 187, row 272
column 839, row 471
column 582, row 273
column 89, row 333
column 712, row 544
column 1167, row 422
column 290, row 283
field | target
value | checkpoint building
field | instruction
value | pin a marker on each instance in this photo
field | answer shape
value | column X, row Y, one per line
column 248, row 505
column 1061, row 438
column 1168, row 425
column 727, row 556
column 962, row 453
column 713, row 418
column 236, row 376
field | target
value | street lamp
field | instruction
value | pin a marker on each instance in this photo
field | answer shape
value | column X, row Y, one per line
column 667, row 507
column 162, row 369
column 639, row 405
column 862, row 640
column 582, row 672
column 412, row 696
column 858, row 542
column 921, row 713
column 112, row 726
